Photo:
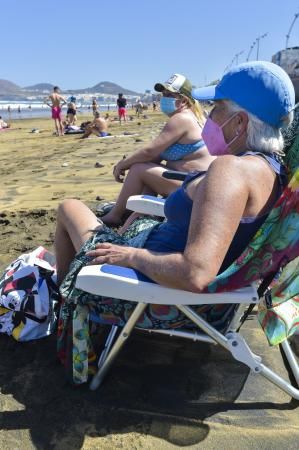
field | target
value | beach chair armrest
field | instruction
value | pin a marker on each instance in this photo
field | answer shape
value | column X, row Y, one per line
column 146, row 204
column 174, row 175
column 128, row 284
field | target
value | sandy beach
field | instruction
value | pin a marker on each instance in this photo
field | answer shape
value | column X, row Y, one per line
column 39, row 170
column 160, row 394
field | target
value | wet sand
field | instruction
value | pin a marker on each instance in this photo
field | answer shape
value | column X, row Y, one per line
column 161, row 393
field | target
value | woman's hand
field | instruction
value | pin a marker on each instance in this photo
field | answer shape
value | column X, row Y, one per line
column 119, row 171
column 111, row 254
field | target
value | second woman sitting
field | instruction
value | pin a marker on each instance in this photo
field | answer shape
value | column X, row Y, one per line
column 179, row 144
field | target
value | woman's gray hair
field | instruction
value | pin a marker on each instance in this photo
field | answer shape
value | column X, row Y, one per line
column 260, row 135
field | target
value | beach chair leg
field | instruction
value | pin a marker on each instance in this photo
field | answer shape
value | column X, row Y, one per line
column 278, row 381
column 236, row 344
column 291, row 359
column 242, row 352
column 125, row 333
column 205, row 326
column 108, row 344
column 240, row 311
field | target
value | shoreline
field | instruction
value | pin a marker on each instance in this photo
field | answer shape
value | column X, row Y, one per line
column 44, row 112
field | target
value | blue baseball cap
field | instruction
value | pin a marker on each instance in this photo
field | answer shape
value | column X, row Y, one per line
column 261, row 87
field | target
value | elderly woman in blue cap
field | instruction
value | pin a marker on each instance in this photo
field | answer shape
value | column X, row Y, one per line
column 213, row 216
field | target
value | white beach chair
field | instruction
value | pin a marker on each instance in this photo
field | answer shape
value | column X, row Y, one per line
column 128, row 284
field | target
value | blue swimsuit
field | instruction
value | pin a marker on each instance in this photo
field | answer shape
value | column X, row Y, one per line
column 177, row 151
column 171, row 236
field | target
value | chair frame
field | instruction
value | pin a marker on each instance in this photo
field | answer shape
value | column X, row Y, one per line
column 107, row 280
column 128, row 284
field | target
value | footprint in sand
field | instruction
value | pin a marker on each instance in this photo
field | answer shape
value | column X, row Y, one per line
column 4, row 222
column 58, row 195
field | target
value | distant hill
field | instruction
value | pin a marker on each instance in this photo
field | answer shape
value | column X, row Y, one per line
column 9, row 88
column 104, row 87
column 40, row 87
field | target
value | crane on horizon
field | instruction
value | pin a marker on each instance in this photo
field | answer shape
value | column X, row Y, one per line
column 250, row 50
column 291, row 27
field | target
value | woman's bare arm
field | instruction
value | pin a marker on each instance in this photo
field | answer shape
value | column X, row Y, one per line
column 172, row 132
column 218, row 205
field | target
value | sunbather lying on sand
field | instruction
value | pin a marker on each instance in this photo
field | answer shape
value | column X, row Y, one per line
column 3, row 124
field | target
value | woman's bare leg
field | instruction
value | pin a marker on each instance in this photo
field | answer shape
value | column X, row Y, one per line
column 141, row 178
column 134, row 215
column 74, row 222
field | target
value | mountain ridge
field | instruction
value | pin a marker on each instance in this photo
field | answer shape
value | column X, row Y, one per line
column 104, row 87
column 39, row 87
column 8, row 87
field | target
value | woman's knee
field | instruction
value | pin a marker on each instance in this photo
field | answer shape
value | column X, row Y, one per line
column 141, row 166
column 138, row 169
column 67, row 207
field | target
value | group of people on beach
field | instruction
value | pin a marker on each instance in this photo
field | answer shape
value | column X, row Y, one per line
column 235, row 174
column 250, row 137
column 99, row 126
column 56, row 101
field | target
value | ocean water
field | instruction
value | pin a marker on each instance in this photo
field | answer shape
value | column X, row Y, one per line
column 27, row 110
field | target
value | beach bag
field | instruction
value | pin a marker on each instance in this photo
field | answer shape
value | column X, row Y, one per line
column 28, row 296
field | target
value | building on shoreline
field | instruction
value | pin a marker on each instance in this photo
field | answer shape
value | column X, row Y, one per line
column 288, row 59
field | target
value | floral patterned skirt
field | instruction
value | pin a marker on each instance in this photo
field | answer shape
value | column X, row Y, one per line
column 75, row 349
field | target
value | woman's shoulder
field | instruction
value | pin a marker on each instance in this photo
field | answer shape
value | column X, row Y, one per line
column 226, row 177
column 233, row 165
column 183, row 118
column 246, row 169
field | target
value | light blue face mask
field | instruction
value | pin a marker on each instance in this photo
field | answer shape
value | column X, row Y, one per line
column 167, row 105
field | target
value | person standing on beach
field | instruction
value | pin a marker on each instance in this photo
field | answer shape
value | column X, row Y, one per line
column 139, row 107
column 94, row 106
column 71, row 113
column 122, row 110
column 57, row 101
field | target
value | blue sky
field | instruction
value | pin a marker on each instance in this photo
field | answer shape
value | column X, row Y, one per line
column 135, row 43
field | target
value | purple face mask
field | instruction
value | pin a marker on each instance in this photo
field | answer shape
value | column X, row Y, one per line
column 212, row 134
